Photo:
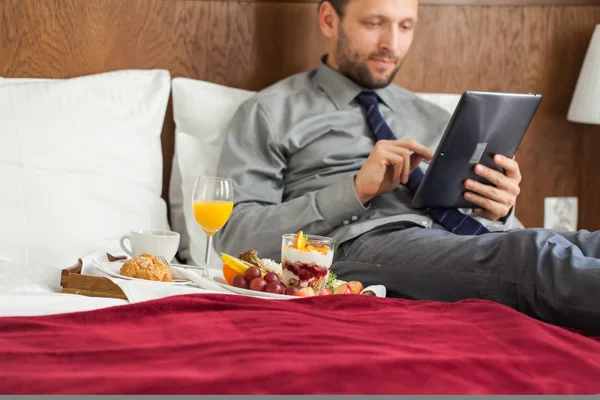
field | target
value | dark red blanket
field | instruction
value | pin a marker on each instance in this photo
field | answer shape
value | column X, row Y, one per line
column 336, row 344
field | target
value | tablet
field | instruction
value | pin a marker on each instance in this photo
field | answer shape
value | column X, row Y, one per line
column 483, row 124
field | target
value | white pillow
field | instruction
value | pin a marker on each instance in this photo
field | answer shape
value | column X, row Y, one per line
column 80, row 163
column 447, row 101
column 202, row 112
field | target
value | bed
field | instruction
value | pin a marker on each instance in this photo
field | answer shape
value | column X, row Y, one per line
column 89, row 158
column 211, row 343
column 219, row 344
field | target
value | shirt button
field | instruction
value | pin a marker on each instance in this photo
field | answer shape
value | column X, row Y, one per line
column 354, row 218
column 346, row 222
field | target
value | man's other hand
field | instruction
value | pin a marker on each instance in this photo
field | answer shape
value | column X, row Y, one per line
column 496, row 202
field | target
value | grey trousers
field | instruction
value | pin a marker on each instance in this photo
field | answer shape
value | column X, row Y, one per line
column 554, row 277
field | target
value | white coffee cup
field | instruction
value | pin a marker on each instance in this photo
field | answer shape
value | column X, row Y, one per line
column 152, row 241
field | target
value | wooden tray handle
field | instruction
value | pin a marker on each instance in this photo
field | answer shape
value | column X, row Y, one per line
column 73, row 282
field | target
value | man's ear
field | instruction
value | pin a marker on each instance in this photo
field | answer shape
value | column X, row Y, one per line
column 328, row 19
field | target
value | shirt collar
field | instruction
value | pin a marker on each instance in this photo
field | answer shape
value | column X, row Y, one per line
column 343, row 90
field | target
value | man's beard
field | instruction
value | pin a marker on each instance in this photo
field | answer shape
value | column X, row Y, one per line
column 350, row 64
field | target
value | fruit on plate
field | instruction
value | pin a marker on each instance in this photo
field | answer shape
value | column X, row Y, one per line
column 291, row 290
column 258, row 284
column 252, row 273
column 264, row 264
column 305, row 292
column 271, row 277
column 252, row 280
column 356, row 287
column 344, row 288
column 229, row 273
column 240, row 266
column 274, row 287
column 240, row 282
column 248, row 271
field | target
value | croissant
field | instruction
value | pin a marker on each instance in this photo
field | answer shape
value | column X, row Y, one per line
column 146, row 266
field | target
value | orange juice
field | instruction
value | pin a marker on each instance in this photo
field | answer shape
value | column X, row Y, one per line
column 212, row 215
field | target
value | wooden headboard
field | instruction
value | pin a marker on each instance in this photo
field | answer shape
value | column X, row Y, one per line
column 503, row 45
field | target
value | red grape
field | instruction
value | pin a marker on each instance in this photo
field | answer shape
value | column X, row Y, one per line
column 271, row 277
column 252, row 273
column 291, row 290
column 258, row 284
column 273, row 287
column 282, row 286
column 239, row 281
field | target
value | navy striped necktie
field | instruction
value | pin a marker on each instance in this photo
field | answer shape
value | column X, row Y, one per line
column 450, row 218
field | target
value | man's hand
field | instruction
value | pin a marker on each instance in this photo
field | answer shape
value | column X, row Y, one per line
column 497, row 201
column 388, row 165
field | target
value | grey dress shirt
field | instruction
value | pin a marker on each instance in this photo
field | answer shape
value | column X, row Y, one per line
column 293, row 150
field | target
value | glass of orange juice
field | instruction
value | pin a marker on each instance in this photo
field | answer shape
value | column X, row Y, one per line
column 212, row 202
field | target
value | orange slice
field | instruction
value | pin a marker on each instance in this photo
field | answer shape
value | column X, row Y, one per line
column 235, row 263
column 239, row 266
column 300, row 241
column 229, row 273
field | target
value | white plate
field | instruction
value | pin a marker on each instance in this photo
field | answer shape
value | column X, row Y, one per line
column 114, row 268
column 222, row 282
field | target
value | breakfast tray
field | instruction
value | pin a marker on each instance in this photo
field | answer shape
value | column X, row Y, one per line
column 73, row 282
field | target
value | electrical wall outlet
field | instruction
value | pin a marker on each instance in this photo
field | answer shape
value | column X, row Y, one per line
column 560, row 213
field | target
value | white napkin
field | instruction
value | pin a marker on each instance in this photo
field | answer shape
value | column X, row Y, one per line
column 139, row 290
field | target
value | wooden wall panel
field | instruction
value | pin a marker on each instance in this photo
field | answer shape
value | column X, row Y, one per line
column 553, row 68
column 521, row 3
column 253, row 44
column 589, row 194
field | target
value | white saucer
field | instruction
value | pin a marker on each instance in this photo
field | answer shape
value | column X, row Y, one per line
column 114, row 268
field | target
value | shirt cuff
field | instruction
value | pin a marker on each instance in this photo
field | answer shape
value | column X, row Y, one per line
column 339, row 202
column 503, row 224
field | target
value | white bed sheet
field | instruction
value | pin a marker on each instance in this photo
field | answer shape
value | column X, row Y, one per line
column 27, row 290
column 30, row 304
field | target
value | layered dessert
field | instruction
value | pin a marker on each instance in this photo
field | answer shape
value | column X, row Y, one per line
column 306, row 260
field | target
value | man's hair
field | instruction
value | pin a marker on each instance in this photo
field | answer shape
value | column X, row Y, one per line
column 338, row 5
